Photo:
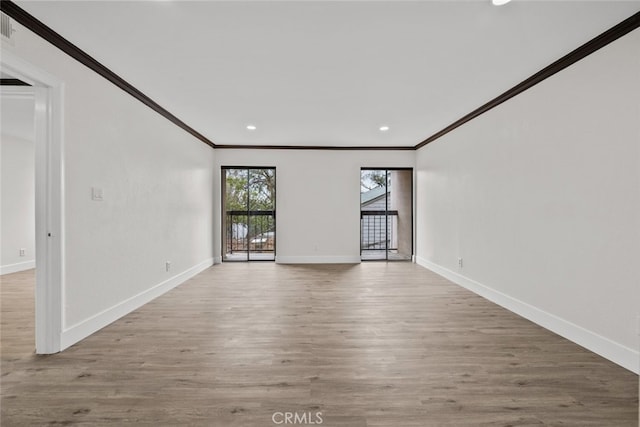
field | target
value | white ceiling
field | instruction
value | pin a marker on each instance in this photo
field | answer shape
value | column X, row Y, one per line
column 326, row 72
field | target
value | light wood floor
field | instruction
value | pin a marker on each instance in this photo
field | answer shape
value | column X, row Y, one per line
column 376, row 344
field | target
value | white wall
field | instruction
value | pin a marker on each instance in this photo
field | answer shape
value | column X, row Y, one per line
column 541, row 198
column 307, row 180
column 17, row 217
column 157, row 182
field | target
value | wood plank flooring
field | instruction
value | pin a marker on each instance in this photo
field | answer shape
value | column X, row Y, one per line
column 375, row 344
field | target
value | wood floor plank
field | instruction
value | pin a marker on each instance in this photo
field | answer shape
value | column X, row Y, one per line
column 375, row 344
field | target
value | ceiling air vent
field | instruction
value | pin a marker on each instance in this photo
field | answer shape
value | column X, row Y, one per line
column 6, row 28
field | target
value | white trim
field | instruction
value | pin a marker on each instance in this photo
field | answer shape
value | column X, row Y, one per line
column 317, row 259
column 19, row 266
column 94, row 323
column 624, row 356
column 217, row 260
column 17, row 92
column 49, row 183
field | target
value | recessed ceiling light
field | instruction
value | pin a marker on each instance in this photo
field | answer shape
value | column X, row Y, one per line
column 384, row 128
column 251, row 127
column 499, row 2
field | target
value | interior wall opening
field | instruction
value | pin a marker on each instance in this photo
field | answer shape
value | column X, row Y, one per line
column 49, row 195
column 18, row 205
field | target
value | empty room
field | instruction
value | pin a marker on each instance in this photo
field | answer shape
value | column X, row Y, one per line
column 320, row 212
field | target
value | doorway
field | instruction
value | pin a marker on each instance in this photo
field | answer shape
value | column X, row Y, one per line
column 49, row 195
column 17, row 155
column 386, row 214
column 249, row 213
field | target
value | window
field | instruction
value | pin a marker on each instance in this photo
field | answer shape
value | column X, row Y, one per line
column 386, row 214
column 249, row 213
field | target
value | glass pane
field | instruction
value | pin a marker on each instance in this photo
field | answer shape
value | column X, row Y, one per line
column 262, row 223
column 373, row 220
column 236, row 219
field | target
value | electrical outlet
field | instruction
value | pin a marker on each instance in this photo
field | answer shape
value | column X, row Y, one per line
column 23, row 252
column 167, row 265
column 460, row 262
column 638, row 325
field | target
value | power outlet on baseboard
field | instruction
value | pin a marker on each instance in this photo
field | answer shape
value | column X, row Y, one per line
column 23, row 252
column 459, row 262
column 167, row 265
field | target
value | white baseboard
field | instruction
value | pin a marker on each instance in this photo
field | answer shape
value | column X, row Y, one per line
column 624, row 356
column 87, row 327
column 317, row 259
column 217, row 260
column 20, row 266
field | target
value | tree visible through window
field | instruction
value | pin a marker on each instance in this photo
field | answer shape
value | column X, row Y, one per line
column 249, row 213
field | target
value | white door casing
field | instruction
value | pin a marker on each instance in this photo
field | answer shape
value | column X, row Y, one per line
column 49, row 182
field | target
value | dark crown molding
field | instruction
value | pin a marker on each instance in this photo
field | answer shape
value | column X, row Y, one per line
column 13, row 82
column 39, row 28
column 586, row 49
column 316, row 147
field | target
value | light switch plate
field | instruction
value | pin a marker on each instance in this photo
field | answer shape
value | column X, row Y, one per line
column 96, row 194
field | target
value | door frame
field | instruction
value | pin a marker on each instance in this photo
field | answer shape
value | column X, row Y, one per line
column 223, row 182
column 388, row 169
column 49, row 193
